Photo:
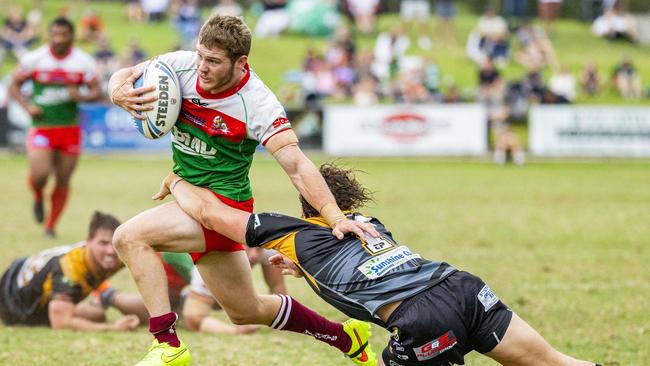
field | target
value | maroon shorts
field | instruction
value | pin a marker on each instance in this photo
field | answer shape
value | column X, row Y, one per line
column 66, row 139
column 215, row 242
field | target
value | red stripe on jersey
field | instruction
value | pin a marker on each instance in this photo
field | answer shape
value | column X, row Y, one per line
column 212, row 122
column 276, row 133
column 228, row 92
column 58, row 76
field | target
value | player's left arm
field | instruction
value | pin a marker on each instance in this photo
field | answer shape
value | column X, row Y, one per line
column 310, row 184
column 205, row 208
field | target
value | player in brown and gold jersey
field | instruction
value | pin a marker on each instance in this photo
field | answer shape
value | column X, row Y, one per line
column 46, row 288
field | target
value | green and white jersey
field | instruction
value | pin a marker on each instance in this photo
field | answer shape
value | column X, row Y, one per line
column 51, row 75
column 216, row 135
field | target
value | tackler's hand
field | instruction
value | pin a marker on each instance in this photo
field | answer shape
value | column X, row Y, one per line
column 347, row 226
column 286, row 265
column 166, row 187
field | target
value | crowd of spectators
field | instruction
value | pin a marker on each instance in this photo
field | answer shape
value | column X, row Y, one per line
column 388, row 72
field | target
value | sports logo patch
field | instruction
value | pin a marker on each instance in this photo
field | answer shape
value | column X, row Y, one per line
column 487, row 298
column 436, row 346
column 40, row 141
column 376, row 245
column 378, row 266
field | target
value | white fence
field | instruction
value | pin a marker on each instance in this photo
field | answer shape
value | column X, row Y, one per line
column 589, row 131
column 393, row 130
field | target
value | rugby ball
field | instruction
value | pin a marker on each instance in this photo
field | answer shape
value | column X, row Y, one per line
column 161, row 119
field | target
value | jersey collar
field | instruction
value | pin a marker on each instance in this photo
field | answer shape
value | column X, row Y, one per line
column 60, row 57
column 228, row 92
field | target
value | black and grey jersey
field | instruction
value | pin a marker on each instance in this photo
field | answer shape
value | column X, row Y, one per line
column 355, row 275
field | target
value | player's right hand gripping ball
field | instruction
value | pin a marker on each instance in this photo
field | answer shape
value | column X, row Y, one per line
column 161, row 119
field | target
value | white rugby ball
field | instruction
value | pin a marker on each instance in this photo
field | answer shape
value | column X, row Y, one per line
column 161, row 119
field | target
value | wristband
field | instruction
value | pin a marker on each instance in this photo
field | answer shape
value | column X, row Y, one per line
column 174, row 183
column 332, row 214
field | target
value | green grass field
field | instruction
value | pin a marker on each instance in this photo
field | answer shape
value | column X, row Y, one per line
column 565, row 244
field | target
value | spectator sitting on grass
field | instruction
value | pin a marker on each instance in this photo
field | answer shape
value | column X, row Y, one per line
column 366, row 91
column 134, row 11
column 390, row 47
column 155, row 10
column 16, row 35
column 563, row 83
column 590, row 81
column 409, row 87
column 364, row 14
column 92, row 26
column 613, row 26
column 274, row 20
column 493, row 32
column 536, row 50
column 627, row 80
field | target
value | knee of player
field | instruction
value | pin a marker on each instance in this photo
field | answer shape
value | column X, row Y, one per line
column 124, row 239
column 192, row 321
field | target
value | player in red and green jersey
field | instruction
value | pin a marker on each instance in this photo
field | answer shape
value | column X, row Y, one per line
column 227, row 111
column 57, row 71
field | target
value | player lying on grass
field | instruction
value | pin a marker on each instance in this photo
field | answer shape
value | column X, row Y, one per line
column 47, row 288
column 436, row 313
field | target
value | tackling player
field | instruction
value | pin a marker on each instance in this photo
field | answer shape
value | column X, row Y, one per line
column 46, row 288
column 226, row 112
column 57, row 71
column 436, row 313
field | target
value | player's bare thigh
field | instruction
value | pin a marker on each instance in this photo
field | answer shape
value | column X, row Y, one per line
column 523, row 346
column 41, row 163
column 165, row 228
column 228, row 277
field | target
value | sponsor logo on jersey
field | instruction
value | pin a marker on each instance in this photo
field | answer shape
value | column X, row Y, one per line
column 198, row 102
column 281, row 121
column 192, row 145
column 52, row 96
column 487, row 298
column 376, row 246
column 436, row 346
column 218, row 124
column 378, row 266
column 393, row 363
